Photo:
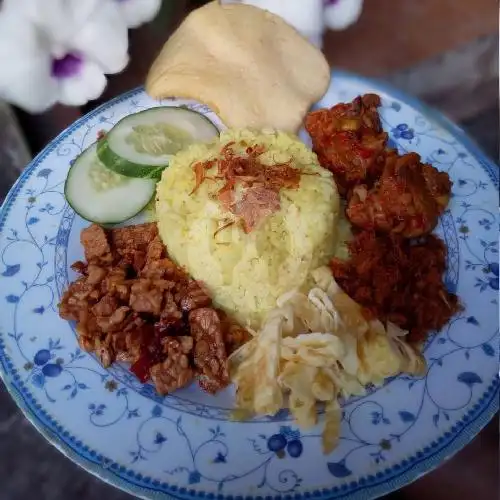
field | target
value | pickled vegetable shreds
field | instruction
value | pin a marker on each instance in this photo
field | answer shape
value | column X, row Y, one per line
column 399, row 280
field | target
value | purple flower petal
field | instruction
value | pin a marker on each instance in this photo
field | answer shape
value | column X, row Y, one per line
column 67, row 66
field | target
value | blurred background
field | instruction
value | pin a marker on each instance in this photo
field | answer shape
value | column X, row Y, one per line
column 444, row 52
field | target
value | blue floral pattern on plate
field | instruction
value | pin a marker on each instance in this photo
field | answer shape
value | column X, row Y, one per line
column 184, row 445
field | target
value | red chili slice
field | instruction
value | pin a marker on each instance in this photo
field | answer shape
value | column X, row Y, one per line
column 141, row 368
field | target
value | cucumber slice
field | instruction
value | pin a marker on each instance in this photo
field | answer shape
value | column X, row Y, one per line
column 123, row 167
column 141, row 145
column 101, row 195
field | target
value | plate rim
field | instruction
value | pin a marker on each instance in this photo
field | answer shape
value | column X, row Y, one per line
column 383, row 482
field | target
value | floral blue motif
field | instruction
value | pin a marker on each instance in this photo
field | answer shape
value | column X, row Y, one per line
column 339, row 469
column 402, row 131
column 11, row 270
column 187, row 445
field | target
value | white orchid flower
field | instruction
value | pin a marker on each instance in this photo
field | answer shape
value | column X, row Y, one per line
column 60, row 50
column 137, row 12
column 340, row 14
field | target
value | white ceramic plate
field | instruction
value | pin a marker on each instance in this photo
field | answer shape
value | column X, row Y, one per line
column 183, row 445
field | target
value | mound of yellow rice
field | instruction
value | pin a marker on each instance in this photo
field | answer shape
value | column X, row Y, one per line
column 246, row 273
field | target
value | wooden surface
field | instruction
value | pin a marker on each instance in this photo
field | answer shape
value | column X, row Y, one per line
column 472, row 474
column 396, row 34
column 393, row 39
column 144, row 44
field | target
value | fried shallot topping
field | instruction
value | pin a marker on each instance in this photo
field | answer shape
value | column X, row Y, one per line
column 251, row 188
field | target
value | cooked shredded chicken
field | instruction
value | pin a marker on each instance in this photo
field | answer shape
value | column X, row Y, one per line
column 399, row 280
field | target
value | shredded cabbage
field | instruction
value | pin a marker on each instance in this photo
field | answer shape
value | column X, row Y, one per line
column 316, row 348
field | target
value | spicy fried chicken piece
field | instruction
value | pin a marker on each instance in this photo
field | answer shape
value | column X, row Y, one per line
column 136, row 237
column 155, row 251
column 398, row 280
column 163, row 269
column 130, row 341
column 193, row 296
column 146, row 297
column 79, row 297
column 234, row 334
column 131, row 244
column 175, row 372
column 407, row 200
column 95, row 245
column 114, row 322
column 172, row 321
column 116, row 283
column 95, row 274
column 104, row 353
column 79, row 267
column 210, row 358
column 106, row 306
column 133, row 304
column 349, row 141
